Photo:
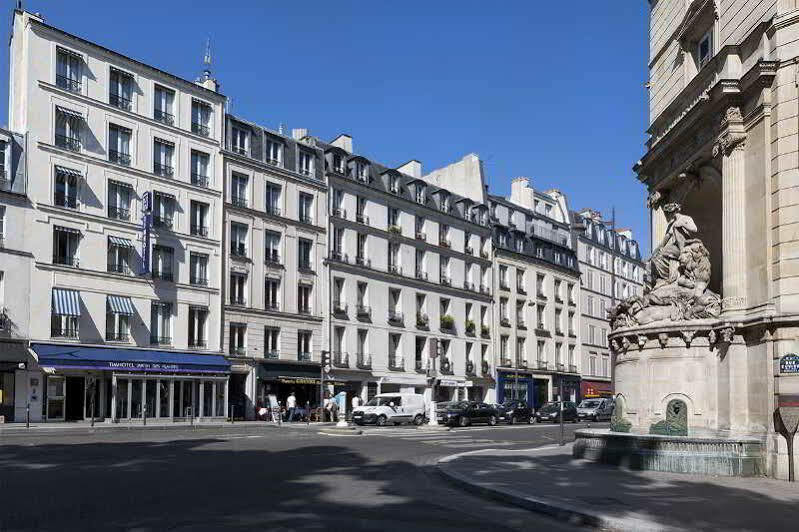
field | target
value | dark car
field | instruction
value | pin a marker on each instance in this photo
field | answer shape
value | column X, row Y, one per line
column 515, row 411
column 464, row 413
column 551, row 412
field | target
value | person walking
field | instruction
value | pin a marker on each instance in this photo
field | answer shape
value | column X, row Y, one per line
column 355, row 402
column 291, row 404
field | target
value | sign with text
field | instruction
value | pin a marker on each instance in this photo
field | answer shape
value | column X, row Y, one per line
column 789, row 363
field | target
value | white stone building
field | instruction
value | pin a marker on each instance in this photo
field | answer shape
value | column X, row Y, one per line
column 131, row 314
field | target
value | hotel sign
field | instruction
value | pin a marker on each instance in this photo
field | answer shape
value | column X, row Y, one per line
column 789, row 363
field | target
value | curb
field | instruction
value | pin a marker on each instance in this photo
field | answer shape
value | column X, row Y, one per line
column 555, row 509
column 71, row 431
column 333, row 431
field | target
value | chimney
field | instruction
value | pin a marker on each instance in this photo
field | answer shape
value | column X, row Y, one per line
column 626, row 233
column 412, row 168
column 521, row 193
column 343, row 141
column 299, row 133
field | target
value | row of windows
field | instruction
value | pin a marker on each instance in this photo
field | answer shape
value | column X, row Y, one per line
column 598, row 364
column 601, row 259
column 540, row 285
column 272, row 293
column 240, row 141
column 239, row 196
column 561, row 328
column 564, row 355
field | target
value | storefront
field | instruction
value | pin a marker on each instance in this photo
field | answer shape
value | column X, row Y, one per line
column 13, row 361
column 282, row 378
column 452, row 389
column 131, row 385
column 595, row 389
column 517, row 385
column 571, row 387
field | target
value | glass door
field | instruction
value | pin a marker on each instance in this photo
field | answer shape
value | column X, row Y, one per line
column 136, row 403
column 149, row 392
column 164, row 398
column 123, row 408
column 55, row 398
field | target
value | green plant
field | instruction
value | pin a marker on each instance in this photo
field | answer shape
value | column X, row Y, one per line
column 447, row 322
column 470, row 326
column 395, row 229
column 484, row 330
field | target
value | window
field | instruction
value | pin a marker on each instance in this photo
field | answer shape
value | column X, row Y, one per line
column 304, row 247
column 271, row 342
column 361, row 293
column 520, row 313
column 304, row 348
column 119, row 252
column 394, row 303
column 199, row 218
column 200, row 118
column 306, row 208
column 199, row 168
column 304, row 298
column 539, row 283
column 274, row 152
column 67, row 129
column 2, row 237
column 393, row 257
column 503, row 277
column 117, row 324
column 521, row 355
column 704, row 49
column 592, row 366
column 393, row 217
column 420, row 265
column 572, row 325
column 503, row 309
column 68, row 70
column 238, row 189
column 306, row 166
column 237, row 339
column 163, row 105
column 360, row 250
column 541, row 354
column 420, row 194
column 198, row 316
column 238, row 239
column 238, row 288
column 64, row 322
column 503, row 350
column 163, row 209
column 273, row 191
column 539, row 314
column 160, row 323
column 120, row 90
column 362, row 171
column 239, row 140
column 444, row 237
column 592, row 335
column 119, row 144
column 360, row 211
column 198, row 264
column 273, row 247
column 338, row 243
column 66, row 187
column 444, row 271
column 520, row 284
column 163, row 259
column 559, row 321
column 272, row 293
column 65, row 246
column 394, row 351
column 338, row 163
column 163, row 155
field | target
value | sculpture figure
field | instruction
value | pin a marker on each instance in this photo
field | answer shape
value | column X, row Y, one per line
column 676, row 422
column 618, row 423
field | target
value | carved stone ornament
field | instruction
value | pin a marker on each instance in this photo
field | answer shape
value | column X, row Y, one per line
column 688, row 336
column 614, row 344
column 733, row 114
column 728, row 142
column 625, row 343
column 654, row 198
column 679, row 273
column 712, row 337
column 641, row 341
column 663, row 338
column 727, row 334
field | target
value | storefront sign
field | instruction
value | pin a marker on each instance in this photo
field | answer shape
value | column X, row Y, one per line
column 789, row 363
column 308, row 380
column 449, row 382
column 146, row 222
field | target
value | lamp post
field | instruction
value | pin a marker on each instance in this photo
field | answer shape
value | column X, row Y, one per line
column 432, row 418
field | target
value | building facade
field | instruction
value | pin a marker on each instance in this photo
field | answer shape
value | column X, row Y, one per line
column 611, row 271
column 276, row 243
column 122, row 222
column 536, row 304
column 409, row 270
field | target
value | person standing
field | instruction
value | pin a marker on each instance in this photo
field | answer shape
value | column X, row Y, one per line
column 291, row 404
column 356, row 402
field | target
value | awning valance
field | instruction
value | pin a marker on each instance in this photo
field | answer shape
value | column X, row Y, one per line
column 63, row 229
column 68, row 171
column 120, row 305
column 120, row 242
column 121, row 72
column 64, row 357
column 164, row 141
column 66, row 302
column 70, row 52
column 69, row 112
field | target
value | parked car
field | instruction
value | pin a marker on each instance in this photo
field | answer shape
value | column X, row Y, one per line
column 551, row 412
column 515, row 411
column 393, row 408
column 595, row 409
column 465, row 413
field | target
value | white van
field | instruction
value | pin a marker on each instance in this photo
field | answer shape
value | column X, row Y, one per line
column 394, row 408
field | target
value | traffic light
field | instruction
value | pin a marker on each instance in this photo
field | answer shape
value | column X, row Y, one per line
column 325, row 358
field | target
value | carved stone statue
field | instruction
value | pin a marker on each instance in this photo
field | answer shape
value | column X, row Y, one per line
column 679, row 276
column 676, row 422
column 618, row 423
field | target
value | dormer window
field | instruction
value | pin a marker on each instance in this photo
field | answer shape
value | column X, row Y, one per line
column 361, row 171
column 306, row 163
column 445, row 204
column 338, row 163
column 704, row 49
column 419, row 194
column 239, row 140
column 274, row 152
column 395, row 184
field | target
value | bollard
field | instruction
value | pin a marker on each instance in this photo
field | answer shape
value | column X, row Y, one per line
column 143, row 415
column 28, row 416
column 232, row 413
column 308, row 413
column 188, row 415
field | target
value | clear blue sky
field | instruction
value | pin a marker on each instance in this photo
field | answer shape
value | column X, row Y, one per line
column 549, row 90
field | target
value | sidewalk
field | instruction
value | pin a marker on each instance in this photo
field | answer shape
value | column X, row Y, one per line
column 549, row 480
column 84, row 427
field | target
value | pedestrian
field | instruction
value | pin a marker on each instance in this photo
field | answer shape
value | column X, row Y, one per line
column 356, row 402
column 291, row 404
column 328, row 409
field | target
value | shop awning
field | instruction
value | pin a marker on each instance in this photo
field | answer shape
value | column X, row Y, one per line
column 66, row 302
column 120, row 305
column 64, row 357
column 278, row 370
column 120, row 242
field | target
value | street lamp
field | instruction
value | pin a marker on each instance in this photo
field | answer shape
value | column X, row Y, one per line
column 432, row 418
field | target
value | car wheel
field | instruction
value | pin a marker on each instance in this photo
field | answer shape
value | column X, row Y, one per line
column 512, row 420
column 574, row 419
column 531, row 420
column 492, row 420
column 418, row 420
column 381, row 421
column 464, row 421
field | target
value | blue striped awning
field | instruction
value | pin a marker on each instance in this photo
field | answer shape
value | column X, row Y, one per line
column 66, row 302
column 121, row 242
column 120, row 305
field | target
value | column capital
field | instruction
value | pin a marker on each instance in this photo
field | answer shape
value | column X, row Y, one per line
column 733, row 134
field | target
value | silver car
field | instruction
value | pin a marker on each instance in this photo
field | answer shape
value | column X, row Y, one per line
column 595, row 409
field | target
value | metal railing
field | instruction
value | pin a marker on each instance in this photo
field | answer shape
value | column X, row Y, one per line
column 238, row 300
column 199, row 179
column 163, row 170
column 272, row 257
column 200, row 129
column 119, row 157
column 119, row 213
column 194, row 342
column 238, row 350
column 363, row 361
column 57, row 332
column 160, row 340
column 395, row 317
column 119, row 101
column 116, row 337
column 163, row 275
column 65, row 200
column 66, row 261
column 543, row 364
column 199, row 230
column 364, row 311
column 363, row 261
column 304, row 357
column 162, row 221
column 238, row 249
column 396, row 363
column 273, row 210
column 72, row 85
column 200, row 281
column 272, row 354
column 362, row 219
column 164, row 117
column 119, row 267
column 68, row 143
column 306, row 219
column 445, row 367
column 339, row 213
column 339, row 307
column 341, row 360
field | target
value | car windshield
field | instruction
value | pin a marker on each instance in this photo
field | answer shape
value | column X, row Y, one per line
column 512, row 404
column 458, row 405
column 382, row 401
column 550, row 407
column 589, row 403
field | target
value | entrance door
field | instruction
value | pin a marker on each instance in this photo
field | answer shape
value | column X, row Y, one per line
column 7, row 395
column 55, row 398
column 75, row 398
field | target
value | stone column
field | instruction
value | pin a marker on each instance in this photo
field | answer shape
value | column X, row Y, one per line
column 732, row 147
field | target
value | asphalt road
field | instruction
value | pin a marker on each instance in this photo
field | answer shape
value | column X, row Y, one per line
column 255, row 478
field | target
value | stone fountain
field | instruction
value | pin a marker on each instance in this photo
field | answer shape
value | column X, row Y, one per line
column 670, row 345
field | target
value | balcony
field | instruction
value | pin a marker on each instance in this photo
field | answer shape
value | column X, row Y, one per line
column 468, row 285
column 469, row 250
column 305, row 267
column 306, row 219
column 395, row 230
column 485, row 367
column 505, row 322
column 470, row 328
column 503, row 285
column 239, row 351
column 469, row 367
column 444, row 242
column 119, row 157
column 445, row 280
column 199, row 180
column 521, row 290
column 57, row 332
column 421, row 275
column 118, row 213
column 560, row 366
column 572, row 368
column 163, row 222
column 68, row 143
column 200, row 129
column 198, row 281
column 163, row 170
column 422, row 321
column 339, row 308
column 540, row 294
column 505, row 362
column 558, row 298
column 272, row 354
column 238, row 300
column 362, row 219
column 341, row 360
column 445, row 366
column 396, row 318
column 543, row 364
column 572, row 333
column 393, row 268
column 521, row 363
column 120, row 102
column 116, row 337
column 485, row 332
column 274, row 306
column 484, row 289
column 273, row 210
column 160, row 340
column 272, row 257
column 238, row 201
column 363, row 361
column 306, row 310
column 421, row 235
column 559, row 331
column 66, row 261
column 197, row 343
column 119, row 267
column 199, row 230
column 418, row 365
column 163, row 275
column 396, row 363
column 339, row 213
column 363, row 312
column 238, row 250
column 363, row 261
column 484, row 254
column 520, row 324
column 273, row 162
column 241, row 150
column 447, row 324
column 164, row 117
column 69, row 84
column 339, row 256
column 304, row 357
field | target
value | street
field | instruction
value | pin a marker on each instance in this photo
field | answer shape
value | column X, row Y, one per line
column 242, row 478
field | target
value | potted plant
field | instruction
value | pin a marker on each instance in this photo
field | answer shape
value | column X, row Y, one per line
column 447, row 322
column 484, row 330
column 470, row 327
